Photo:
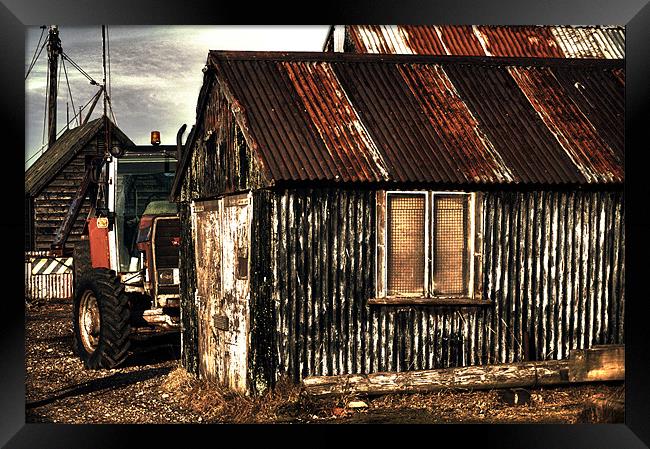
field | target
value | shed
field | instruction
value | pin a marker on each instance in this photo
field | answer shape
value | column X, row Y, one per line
column 356, row 213
column 534, row 41
column 52, row 181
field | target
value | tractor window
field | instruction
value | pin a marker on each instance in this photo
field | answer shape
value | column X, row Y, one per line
column 139, row 181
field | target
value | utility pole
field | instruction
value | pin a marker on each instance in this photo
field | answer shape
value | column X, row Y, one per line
column 104, row 63
column 53, row 52
column 102, row 192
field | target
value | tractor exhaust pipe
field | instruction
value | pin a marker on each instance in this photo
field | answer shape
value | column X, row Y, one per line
column 179, row 141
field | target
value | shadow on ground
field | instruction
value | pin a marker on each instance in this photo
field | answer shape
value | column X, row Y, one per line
column 112, row 382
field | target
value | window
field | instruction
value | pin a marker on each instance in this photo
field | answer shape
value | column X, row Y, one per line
column 406, row 229
column 428, row 246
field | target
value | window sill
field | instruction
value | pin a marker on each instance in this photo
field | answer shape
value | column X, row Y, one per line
column 439, row 301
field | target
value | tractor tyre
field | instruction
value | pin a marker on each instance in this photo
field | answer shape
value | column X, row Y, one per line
column 80, row 261
column 101, row 320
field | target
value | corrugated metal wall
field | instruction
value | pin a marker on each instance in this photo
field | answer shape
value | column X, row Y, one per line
column 47, row 286
column 553, row 267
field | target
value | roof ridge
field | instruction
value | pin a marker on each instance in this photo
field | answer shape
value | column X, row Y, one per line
column 299, row 56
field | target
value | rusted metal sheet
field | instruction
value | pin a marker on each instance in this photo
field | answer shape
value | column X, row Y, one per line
column 597, row 159
column 518, row 41
column 381, row 39
column 528, row 145
column 454, row 124
column 591, row 42
column 553, row 268
column 603, row 42
column 457, row 40
column 366, row 118
column 347, row 141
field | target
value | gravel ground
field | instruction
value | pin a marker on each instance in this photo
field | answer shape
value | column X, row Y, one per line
column 60, row 390
column 152, row 388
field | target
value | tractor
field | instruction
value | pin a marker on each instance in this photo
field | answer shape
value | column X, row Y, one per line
column 125, row 268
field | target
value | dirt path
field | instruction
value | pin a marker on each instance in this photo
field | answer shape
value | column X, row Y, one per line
column 152, row 388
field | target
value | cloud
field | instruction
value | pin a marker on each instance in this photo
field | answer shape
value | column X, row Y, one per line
column 155, row 71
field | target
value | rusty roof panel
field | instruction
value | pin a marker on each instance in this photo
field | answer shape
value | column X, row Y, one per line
column 453, row 123
column 458, row 40
column 600, row 100
column 602, row 42
column 511, row 124
column 591, row 42
column 348, row 143
column 369, row 118
column 381, row 39
column 275, row 117
column 526, row 41
column 589, row 152
column 423, row 39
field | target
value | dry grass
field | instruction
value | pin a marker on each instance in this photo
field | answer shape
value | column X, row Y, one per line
column 216, row 404
column 287, row 404
column 606, row 407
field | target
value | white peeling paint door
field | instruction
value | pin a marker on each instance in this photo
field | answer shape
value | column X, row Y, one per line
column 233, row 318
column 206, row 221
column 222, row 242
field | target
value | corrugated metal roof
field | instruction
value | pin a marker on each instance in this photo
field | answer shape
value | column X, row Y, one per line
column 64, row 149
column 368, row 118
column 603, row 42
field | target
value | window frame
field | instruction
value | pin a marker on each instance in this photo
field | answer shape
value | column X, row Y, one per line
column 474, row 294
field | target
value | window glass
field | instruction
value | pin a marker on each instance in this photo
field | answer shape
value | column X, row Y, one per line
column 139, row 182
column 405, row 239
column 450, row 240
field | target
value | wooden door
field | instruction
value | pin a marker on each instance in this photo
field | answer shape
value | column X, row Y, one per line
column 222, row 239
column 233, row 317
column 206, row 227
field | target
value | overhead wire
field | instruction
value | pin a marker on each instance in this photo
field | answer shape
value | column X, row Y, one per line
column 35, row 59
column 108, row 51
column 40, row 150
column 38, row 44
column 47, row 90
column 76, row 66
column 64, row 57
column 67, row 80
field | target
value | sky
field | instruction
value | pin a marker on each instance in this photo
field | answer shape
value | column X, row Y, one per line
column 155, row 73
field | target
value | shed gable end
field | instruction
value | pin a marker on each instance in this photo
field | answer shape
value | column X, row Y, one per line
column 221, row 159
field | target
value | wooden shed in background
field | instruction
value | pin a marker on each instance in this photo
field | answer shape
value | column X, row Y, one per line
column 53, row 179
column 355, row 213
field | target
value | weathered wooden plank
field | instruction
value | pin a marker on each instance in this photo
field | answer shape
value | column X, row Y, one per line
column 524, row 374
column 599, row 363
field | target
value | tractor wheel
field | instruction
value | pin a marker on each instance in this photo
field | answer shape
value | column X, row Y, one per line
column 80, row 261
column 101, row 319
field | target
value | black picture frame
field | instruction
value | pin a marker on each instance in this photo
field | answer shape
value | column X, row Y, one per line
column 634, row 14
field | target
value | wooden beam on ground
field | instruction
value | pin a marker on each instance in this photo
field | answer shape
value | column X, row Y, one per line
column 597, row 364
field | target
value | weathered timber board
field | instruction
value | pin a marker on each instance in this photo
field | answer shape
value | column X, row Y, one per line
column 600, row 363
